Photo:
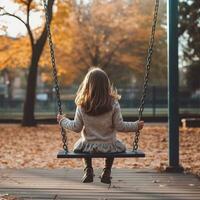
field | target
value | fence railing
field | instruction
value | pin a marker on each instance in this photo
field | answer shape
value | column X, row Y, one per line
column 155, row 103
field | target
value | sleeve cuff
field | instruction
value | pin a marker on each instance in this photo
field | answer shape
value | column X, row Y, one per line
column 61, row 120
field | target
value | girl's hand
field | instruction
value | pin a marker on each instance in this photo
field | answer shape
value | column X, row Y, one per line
column 59, row 117
column 140, row 125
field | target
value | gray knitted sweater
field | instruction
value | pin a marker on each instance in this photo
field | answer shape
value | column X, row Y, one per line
column 98, row 133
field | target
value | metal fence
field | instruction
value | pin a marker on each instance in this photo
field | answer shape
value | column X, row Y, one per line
column 155, row 103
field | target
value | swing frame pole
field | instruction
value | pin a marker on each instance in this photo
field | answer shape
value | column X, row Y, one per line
column 173, row 87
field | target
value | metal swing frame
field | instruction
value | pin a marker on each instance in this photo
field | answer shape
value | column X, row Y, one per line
column 134, row 152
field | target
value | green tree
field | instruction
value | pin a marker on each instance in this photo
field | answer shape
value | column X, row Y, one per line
column 192, row 76
column 189, row 31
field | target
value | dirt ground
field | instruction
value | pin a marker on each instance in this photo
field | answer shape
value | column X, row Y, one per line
column 37, row 147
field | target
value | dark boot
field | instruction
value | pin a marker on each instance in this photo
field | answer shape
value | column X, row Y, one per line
column 105, row 176
column 88, row 175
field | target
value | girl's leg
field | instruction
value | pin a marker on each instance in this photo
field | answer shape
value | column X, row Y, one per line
column 88, row 171
column 105, row 176
column 109, row 163
column 87, row 162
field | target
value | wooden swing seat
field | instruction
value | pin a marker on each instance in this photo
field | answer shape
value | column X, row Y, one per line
column 127, row 154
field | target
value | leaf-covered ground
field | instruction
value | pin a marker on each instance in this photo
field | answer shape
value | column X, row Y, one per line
column 22, row 147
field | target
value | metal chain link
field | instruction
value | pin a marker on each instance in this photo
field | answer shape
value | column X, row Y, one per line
column 55, row 76
column 147, row 72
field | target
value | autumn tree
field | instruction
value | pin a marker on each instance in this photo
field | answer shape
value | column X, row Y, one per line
column 37, row 42
column 63, row 38
column 113, row 35
column 12, row 58
column 13, row 61
column 189, row 31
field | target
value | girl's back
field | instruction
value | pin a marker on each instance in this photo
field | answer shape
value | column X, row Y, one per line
column 98, row 133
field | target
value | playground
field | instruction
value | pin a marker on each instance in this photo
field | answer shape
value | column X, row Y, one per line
column 42, row 153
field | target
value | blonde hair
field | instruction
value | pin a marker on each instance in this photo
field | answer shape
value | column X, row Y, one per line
column 96, row 94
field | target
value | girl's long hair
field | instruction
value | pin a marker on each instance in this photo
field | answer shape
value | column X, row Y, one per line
column 96, row 94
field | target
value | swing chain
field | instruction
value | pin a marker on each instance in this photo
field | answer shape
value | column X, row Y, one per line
column 55, row 77
column 147, row 72
column 146, row 78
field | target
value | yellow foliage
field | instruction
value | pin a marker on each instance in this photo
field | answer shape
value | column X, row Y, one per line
column 14, row 52
column 63, row 41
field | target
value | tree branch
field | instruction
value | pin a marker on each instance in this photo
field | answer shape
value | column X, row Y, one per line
column 28, row 23
column 28, row 11
column 81, row 57
column 21, row 20
column 12, row 15
column 111, row 54
column 43, row 37
column 79, row 19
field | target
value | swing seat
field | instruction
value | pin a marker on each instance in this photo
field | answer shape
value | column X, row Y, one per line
column 127, row 154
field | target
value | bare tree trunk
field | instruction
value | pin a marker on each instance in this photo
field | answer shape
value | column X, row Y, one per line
column 37, row 48
column 29, row 104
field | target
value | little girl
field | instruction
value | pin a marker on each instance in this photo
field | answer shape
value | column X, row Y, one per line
column 98, row 117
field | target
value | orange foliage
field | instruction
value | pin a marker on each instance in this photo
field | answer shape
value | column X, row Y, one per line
column 17, row 52
column 63, row 41
column 14, row 52
column 115, row 32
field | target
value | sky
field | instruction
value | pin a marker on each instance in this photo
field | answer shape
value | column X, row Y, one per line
column 14, row 26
